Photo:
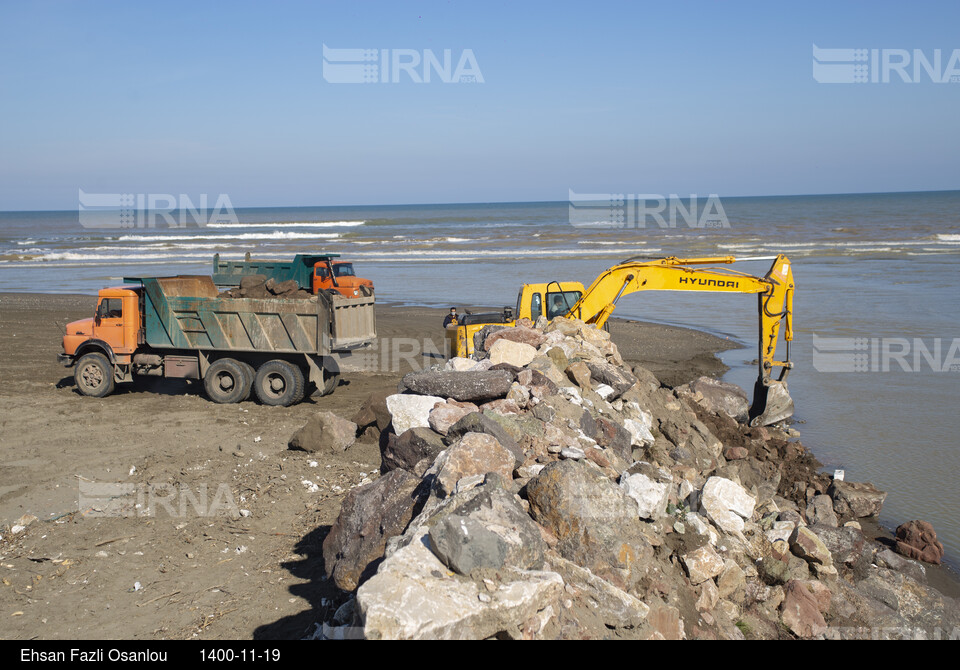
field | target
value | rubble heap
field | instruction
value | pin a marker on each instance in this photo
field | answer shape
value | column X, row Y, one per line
column 548, row 490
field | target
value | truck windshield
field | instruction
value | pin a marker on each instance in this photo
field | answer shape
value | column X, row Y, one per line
column 344, row 270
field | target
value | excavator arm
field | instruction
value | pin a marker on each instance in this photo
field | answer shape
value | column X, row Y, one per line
column 774, row 292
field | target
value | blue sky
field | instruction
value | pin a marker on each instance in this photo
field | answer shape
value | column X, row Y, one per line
column 633, row 97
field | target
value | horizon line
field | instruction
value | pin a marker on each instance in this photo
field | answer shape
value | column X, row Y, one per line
column 528, row 202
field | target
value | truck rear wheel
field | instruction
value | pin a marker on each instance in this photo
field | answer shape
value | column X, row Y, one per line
column 226, row 381
column 279, row 383
column 251, row 375
column 331, row 377
column 94, row 375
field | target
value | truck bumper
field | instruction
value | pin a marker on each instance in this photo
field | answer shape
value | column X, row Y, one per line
column 65, row 360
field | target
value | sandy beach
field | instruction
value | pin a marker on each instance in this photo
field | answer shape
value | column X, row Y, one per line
column 255, row 573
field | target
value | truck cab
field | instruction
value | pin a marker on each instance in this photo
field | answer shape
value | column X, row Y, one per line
column 114, row 330
column 339, row 276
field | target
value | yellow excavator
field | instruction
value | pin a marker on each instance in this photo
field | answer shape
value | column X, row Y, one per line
column 771, row 399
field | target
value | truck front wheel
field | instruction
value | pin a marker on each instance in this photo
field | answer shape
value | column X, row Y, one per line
column 279, row 383
column 226, row 382
column 94, row 375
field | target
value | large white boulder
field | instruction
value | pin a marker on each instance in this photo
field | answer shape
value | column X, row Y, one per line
column 727, row 504
column 514, row 353
column 411, row 411
column 650, row 495
column 412, row 597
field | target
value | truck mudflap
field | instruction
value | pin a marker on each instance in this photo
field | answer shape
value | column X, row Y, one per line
column 65, row 360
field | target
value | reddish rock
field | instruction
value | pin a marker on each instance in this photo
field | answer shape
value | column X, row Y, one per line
column 520, row 334
column 474, row 454
column 736, row 453
column 502, row 406
column 800, row 611
column 918, row 540
column 442, row 417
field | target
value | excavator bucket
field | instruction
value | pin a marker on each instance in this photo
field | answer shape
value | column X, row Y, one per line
column 771, row 403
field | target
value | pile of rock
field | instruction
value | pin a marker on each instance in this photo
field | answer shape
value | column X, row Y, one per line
column 548, row 490
column 259, row 287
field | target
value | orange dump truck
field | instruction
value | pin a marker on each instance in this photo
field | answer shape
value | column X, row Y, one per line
column 278, row 349
column 316, row 273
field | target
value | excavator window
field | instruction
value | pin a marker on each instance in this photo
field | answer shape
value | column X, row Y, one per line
column 536, row 307
column 559, row 303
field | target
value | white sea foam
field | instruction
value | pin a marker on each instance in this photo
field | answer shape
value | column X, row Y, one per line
column 135, row 256
column 454, row 254
column 289, row 224
column 275, row 235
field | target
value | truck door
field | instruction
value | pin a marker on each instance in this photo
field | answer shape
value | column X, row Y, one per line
column 108, row 323
column 321, row 277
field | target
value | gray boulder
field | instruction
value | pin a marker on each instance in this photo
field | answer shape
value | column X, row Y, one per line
column 470, row 386
column 597, row 524
column 465, row 545
column 856, row 500
column 612, row 375
column 846, row 544
column 488, row 530
column 717, row 397
column 414, row 450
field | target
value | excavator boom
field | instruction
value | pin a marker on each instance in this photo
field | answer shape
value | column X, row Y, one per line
column 774, row 291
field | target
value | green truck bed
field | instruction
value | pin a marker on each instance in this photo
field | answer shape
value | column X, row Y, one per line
column 187, row 312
